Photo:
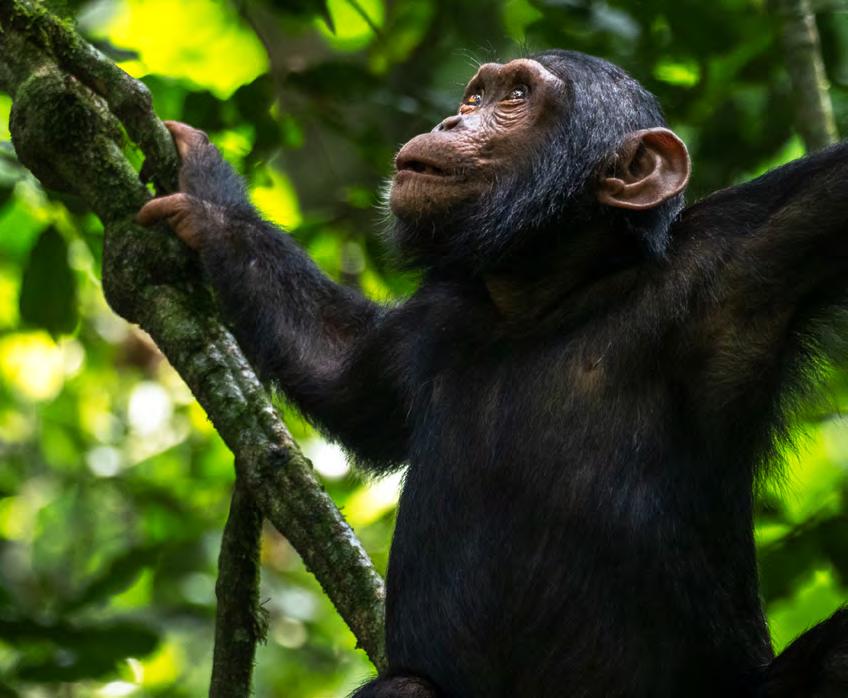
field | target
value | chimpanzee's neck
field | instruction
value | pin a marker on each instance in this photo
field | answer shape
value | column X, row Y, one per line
column 557, row 267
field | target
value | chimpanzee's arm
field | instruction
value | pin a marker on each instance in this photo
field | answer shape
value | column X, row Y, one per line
column 783, row 236
column 335, row 354
column 332, row 352
column 766, row 268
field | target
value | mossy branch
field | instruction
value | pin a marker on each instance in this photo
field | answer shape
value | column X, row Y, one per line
column 68, row 104
column 240, row 620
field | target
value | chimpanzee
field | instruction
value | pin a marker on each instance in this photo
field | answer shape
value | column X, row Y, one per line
column 584, row 386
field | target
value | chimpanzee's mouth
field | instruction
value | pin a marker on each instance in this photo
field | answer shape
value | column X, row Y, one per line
column 420, row 167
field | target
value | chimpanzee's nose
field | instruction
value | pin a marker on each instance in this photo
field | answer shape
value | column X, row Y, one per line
column 449, row 123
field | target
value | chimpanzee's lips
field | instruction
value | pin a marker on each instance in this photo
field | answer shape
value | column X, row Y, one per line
column 419, row 166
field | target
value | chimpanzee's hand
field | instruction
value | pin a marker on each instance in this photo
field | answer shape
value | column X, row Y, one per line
column 209, row 188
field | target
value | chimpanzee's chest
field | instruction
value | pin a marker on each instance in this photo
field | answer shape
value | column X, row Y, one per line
column 569, row 446
column 542, row 408
column 557, row 474
column 532, row 466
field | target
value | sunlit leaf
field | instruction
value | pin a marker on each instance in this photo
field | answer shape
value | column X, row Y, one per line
column 5, row 108
column 353, row 23
column 814, row 601
column 373, row 500
column 200, row 40
column 32, row 364
column 164, row 666
column 682, row 73
column 277, row 199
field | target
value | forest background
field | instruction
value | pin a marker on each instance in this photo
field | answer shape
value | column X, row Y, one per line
column 114, row 486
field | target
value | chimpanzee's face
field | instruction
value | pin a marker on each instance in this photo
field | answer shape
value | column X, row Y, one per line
column 505, row 115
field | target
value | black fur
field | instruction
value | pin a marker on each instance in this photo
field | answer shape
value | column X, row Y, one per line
column 577, row 515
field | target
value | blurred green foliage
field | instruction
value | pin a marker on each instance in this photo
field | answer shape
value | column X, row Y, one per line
column 113, row 485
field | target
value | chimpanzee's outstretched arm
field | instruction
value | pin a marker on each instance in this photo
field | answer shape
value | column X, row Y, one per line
column 782, row 236
column 765, row 263
column 334, row 353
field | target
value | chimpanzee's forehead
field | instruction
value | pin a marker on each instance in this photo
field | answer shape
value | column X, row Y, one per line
column 492, row 71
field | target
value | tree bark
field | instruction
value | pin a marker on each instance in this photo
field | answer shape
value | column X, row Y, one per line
column 68, row 100
column 800, row 38
column 240, row 621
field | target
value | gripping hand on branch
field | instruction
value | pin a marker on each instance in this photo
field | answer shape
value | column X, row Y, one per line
column 210, row 190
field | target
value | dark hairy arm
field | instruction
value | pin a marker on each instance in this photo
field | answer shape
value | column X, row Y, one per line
column 782, row 236
column 767, row 266
column 335, row 354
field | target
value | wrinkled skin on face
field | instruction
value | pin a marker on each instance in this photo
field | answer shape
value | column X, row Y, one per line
column 506, row 112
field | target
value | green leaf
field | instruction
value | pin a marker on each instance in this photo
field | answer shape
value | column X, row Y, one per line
column 48, row 287
column 52, row 652
column 118, row 576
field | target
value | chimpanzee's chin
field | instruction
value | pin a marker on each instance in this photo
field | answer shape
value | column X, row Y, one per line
column 413, row 242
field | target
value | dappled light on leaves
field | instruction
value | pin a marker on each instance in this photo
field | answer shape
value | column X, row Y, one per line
column 32, row 364
column 163, row 667
column 276, row 199
column 678, row 73
column 818, row 596
column 5, row 108
column 353, row 23
column 373, row 499
column 199, row 40
column 328, row 459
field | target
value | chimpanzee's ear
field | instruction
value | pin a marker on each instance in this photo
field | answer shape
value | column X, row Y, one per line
column 651, row 166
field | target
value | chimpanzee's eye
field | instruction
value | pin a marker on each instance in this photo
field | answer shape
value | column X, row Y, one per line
column 473, row 100
column 518, row 92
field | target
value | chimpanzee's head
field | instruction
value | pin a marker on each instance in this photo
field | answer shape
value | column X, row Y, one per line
column 556, row 144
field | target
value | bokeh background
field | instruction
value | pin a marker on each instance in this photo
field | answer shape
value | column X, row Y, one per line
column 113, row 485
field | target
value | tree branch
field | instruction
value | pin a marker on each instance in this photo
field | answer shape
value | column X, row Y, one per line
column 240, row 621
column 66, row 132
column 127, row 98
column 800, row 38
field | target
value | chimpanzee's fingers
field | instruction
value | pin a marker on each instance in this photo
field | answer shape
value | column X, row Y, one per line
column 204, row 174
column 163, row 208
column 186, row 137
